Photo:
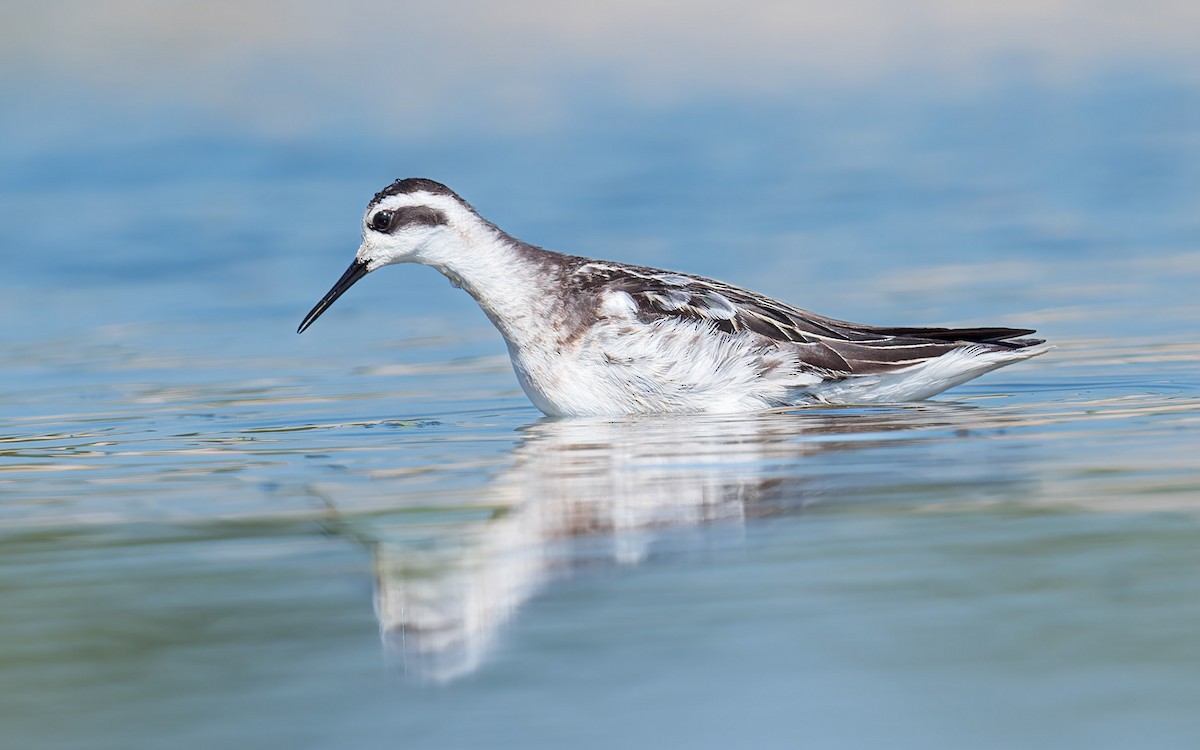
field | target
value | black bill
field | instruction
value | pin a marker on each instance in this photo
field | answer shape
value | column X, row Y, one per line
column 356, row 271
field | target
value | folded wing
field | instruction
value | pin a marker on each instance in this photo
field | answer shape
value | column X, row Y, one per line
column 834, row 345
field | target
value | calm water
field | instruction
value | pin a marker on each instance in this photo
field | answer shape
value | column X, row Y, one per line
column 214, row 532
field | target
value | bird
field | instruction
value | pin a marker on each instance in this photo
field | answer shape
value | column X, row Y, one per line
column 596, row 338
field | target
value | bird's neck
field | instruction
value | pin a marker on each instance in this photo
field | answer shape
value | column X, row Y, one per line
column 517, row 285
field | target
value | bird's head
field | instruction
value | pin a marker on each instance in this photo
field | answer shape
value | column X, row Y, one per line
column 410, row 221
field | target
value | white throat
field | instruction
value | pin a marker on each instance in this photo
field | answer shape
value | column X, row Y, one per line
column 508, row 280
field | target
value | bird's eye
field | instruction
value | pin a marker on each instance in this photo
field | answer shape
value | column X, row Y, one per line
column 381, row 221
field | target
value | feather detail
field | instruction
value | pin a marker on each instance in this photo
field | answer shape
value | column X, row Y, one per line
column 836, row 346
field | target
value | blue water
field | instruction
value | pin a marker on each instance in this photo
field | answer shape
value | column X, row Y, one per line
column 214, row 532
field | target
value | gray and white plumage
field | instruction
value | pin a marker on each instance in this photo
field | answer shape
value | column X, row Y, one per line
column 594, row 338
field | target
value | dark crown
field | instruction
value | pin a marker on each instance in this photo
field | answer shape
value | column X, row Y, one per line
column 415, row 185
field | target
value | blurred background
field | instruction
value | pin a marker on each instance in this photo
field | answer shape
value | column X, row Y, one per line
column 187, row 160
column 197, row 506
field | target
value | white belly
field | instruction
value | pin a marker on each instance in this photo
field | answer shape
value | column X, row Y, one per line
column 623, row 367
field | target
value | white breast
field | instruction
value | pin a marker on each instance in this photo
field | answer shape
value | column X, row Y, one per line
column 623, row 365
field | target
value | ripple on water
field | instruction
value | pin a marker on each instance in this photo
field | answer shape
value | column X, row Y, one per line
column 468, row 512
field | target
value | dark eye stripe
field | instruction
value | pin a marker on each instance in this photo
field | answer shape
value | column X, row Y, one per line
column 390, row 221
column 418, row 215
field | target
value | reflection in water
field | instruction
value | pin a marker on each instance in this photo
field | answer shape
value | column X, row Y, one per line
column 589, row 491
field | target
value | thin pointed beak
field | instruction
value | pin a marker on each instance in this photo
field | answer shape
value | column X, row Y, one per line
column 356, row 271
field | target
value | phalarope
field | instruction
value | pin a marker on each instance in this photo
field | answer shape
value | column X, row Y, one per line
column 597, row 338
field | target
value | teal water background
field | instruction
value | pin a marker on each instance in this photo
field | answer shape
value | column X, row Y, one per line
column 216, row 532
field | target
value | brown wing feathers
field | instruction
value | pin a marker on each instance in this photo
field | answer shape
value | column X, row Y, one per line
column 826, row 343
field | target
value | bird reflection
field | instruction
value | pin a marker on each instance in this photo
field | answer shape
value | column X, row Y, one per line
column 582, row 492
